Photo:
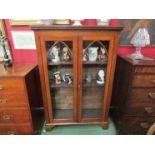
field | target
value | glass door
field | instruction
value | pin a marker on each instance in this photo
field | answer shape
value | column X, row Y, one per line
column 94, row 67
column 61, row 78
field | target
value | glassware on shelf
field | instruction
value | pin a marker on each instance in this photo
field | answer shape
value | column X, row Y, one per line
column 88, row 78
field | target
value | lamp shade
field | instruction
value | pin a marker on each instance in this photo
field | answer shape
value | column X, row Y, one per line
column 141, row 38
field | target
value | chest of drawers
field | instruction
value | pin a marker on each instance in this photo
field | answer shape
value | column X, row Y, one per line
column 20, row 99
column 133, row 98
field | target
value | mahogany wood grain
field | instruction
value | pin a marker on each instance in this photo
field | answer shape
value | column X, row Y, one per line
column 76, row 35
column 20, row 115
column 20, row 96
column 133, row 95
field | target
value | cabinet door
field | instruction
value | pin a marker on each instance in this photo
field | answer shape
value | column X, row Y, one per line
column 94, row 72
column 59, row 60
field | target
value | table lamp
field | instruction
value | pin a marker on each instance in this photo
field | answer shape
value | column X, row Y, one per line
column 7, row 62
column 140, row 39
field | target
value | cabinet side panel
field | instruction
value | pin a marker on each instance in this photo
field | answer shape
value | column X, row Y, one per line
column 122, row 78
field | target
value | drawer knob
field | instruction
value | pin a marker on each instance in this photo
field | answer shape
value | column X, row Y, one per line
column 6, row 117
column 149, row 110
column 1, row 87
column 145, row 125
column 3, row 101
column 152, row 95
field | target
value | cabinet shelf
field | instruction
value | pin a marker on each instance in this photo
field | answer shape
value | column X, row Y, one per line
column 60, row 63
column 62, row 85
column 95, row 62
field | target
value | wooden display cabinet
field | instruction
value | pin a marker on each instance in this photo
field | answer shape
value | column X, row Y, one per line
column 79, row 102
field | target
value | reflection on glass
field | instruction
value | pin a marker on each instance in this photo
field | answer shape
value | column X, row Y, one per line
column 60, row 71
column 95, row 57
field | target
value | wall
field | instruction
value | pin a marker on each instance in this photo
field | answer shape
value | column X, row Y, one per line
column 31, row 55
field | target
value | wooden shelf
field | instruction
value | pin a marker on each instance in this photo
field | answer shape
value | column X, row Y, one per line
column 95, row 62
column 62, row 85
column 60, row 63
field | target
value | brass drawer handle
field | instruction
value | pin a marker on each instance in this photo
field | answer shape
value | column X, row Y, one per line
column 145, row 125
column 6, row 117
column 152, row 95
column 3, row 101
column 153, row 81
column 149, row 110
column 1, row 87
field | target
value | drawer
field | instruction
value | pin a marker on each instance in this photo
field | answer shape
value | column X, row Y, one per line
column 146, row 69
column 8, row 85
column 16, row 129
column 140, row 110
column 146, row 95
column 136, row 124
column 143, row 81
column 14, row 116
column 12, row 100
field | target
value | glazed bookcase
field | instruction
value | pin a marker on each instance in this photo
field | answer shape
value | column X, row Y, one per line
column 80, row 102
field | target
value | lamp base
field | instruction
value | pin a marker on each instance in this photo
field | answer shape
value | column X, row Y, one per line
column 138, row 55
column 134, row 56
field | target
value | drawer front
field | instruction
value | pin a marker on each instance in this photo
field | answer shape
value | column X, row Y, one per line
column 12, row 100
column 136, row 124
column 140, row 110
column 147, row 69
column 14, row 116
column 141, row 96
column 16, row 129
column 143, row 81
column 13, row 85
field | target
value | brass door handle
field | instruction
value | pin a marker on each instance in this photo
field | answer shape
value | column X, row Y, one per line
column 152, row 95
column 144, row 125
column 6, row 117
column 1, row 87
column 3, row 101
column 149, row 110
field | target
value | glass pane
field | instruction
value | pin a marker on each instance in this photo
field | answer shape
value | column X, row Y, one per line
column 60, row 71
column 95, row 54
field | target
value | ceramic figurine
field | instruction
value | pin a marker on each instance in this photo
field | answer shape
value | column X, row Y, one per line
column 92, row 53
column 66, row 56
column 57, row 77
column 84, row 55
column 101, row 75
column 54, row 54
column 67, row 79
column 102, row 54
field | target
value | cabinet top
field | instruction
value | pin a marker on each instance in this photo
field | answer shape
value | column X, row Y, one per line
column 138, row 62
column 71, row 27
column 17, row 70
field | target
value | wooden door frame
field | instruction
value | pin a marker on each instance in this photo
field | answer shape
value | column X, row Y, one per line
column 105, row 36
column 67, row 37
